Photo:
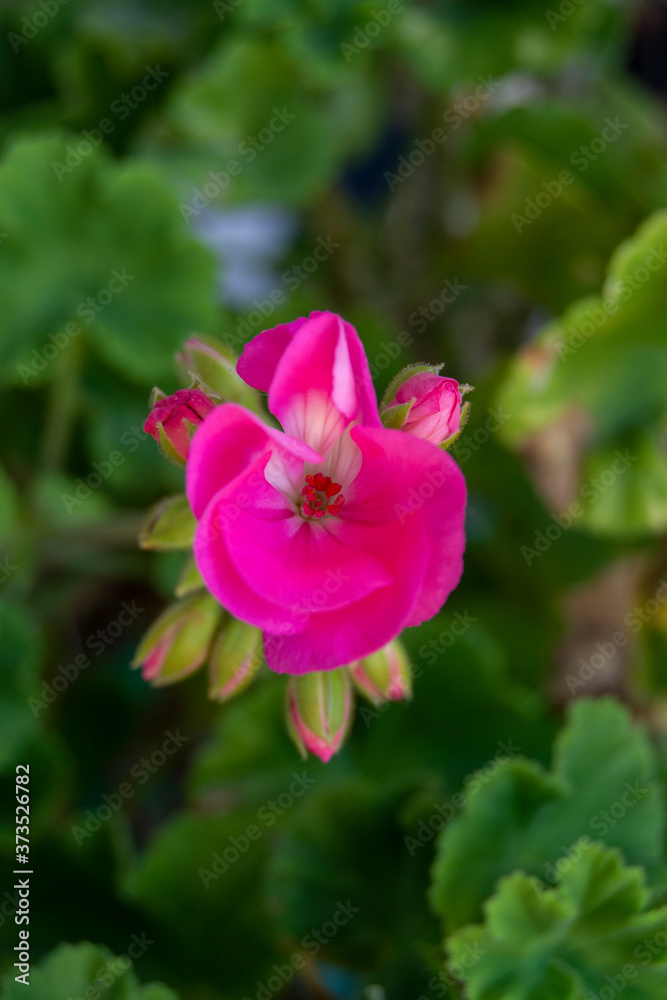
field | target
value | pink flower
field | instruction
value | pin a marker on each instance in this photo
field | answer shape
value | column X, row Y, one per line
column 173, row 419
column 436, row 413
column 336, row 533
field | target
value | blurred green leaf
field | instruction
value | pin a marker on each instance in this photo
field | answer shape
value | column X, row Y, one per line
column 206, row 871
column 77, row 970
column 20, row 654
column 602, row 787
column 284, row 137
column 94, row 251
column 593, row 935
column 608, row 359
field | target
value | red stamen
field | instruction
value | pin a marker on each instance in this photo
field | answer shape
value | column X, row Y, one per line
column 314, row 505
column 334, row 508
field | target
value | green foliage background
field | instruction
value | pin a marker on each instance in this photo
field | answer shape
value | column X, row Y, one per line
column 485, row 841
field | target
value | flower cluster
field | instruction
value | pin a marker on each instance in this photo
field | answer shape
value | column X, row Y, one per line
column 310, row 534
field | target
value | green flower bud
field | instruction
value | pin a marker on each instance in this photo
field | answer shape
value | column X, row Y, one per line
column 215, row 365
column 385, row 675
column 170, row 524
column 189, row 580
column 319, row 711
column 235, row 659
column 178, row 642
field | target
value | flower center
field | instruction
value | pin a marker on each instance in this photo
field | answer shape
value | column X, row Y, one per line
column 317, row 493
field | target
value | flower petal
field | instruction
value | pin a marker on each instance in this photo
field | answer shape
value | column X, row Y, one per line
column 317, row 376
column 229, row 440
column 303, row 565
column 259, row 360
column 333, row 638
column 403, row 478
column 225, row 582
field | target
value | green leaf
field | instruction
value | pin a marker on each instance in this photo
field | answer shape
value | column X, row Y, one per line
column 207, row 866
column 601, row 787
column 20, row 652
column 98, row 252
column 285, row 135
column 75, row 970
column 9, row 505
column 344, row 844
column 607, row 359
column 590, row 936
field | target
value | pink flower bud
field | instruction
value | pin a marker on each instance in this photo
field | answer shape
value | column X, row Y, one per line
column 178, row 642
column 319, row 711
column 173, row 419
column 235, row 659
column 385, row 675
column 435, row 414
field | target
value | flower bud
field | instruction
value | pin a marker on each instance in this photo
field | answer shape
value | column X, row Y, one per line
column 235, row 659
column 189, row 580
column 177, row 643
column 173, row 419
column 435, row 413
column 169, row 525
column 385, row 675
column 215, row 365
column 319, row 711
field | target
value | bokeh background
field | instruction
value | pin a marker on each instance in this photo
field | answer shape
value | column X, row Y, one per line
column 484, row 184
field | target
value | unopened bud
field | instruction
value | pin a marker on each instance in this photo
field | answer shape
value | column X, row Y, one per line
column 434, row 406
column 385, row 675
column 215, row 365
column 169, row 525
column 178, row 642
column 235, row 659
column 319, row 711
column 190, row 579
column 174, row 419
